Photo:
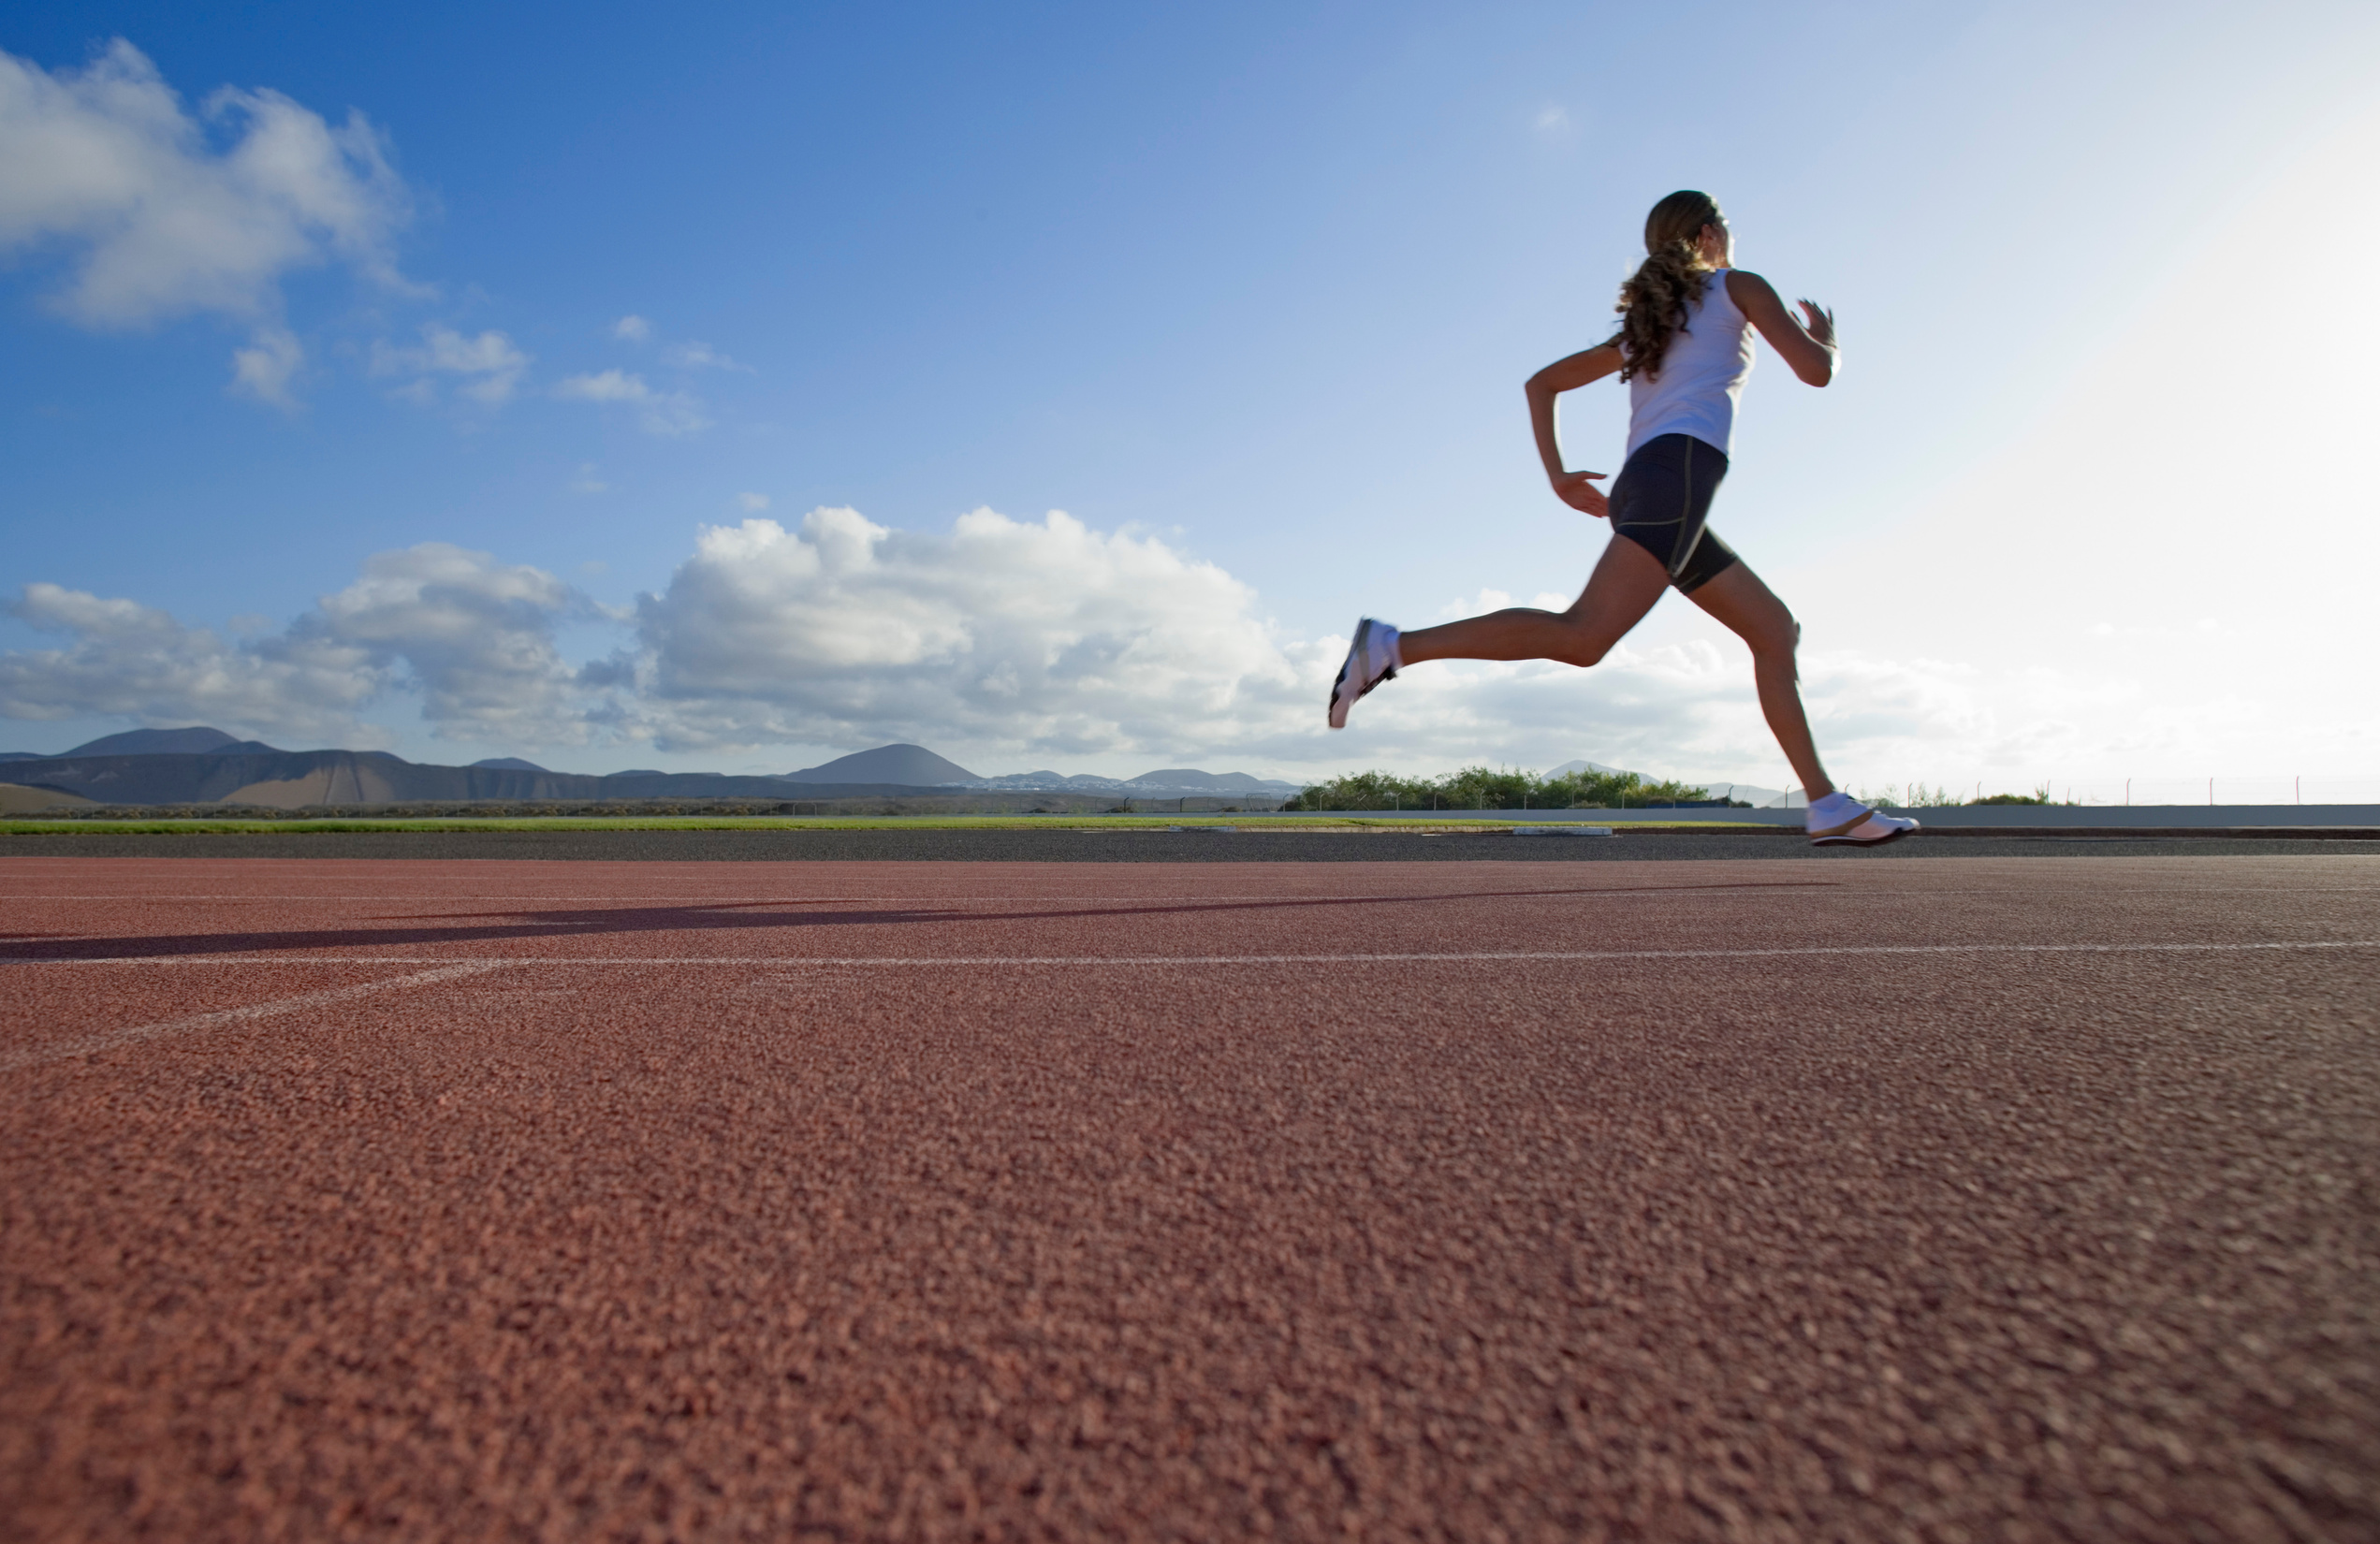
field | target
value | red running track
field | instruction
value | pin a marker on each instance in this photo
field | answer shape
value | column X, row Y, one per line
column 1965, row 1198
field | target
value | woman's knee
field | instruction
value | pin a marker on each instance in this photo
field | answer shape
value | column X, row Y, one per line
column 1779, row 639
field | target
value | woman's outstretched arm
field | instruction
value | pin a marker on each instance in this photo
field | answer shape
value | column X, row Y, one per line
column 1806, row 345
column 1574, row 489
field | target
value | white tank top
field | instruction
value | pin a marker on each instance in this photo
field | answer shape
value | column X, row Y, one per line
column 1702, row 375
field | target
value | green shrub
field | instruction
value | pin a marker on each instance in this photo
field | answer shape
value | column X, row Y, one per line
column 1917, row 796
column 2040, row 794
column 1913, row 795
column 1480, row 788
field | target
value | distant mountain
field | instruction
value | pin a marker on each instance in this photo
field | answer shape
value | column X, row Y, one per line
column 23, row 757
column 16, row 799
column 1166, row 783
column 910, row 764
column 131, row 768
column 1190, row 777
column 198, row 741
column 292, row 779
column 1048, row 782
column 917, row 766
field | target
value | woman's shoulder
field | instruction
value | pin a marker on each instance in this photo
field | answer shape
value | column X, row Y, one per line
column 1742, row 284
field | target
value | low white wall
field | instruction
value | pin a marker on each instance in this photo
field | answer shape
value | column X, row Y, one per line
column 1978, row 815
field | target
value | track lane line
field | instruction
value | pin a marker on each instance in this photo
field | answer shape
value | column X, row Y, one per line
column 112, row 1039
column 1517, row 956
column 748, row 899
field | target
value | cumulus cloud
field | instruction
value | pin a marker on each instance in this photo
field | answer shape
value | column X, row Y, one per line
column 611, row 386
column 1684, row 708
column 263, row 370
column 136, row 660
column 1005, row 642
column 489, row 366
column 1051, row 640
column 1680, row 710
column 660, row 412
column 477, row 637
column 702, row 356
column 160, row 212
column 632, row 328
column 473, row 637
column 752, row 503
column 999, row 632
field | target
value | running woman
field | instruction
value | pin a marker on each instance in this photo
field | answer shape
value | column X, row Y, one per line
column 1684, row 347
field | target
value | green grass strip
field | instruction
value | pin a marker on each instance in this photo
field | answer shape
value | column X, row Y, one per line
column 464, row 824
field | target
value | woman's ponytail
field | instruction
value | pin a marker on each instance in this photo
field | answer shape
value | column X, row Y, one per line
column 1654, row 303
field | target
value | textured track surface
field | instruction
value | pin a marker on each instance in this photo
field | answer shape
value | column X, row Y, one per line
column 1091, row 846
column 1926, row 1199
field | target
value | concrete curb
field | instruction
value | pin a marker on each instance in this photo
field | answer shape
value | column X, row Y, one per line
column 2076, row 832
column 2067, row 819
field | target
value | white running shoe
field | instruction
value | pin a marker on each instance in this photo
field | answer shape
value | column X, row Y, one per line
column 1839, row 820
column 1371, row 659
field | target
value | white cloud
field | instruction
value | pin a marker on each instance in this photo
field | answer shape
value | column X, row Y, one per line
column 1686, row 709
column 1664, row 710
column 1002, row 640
column 158, row 212
column 263, row 369
column 702, row 356
column 136, row 660
column 612, row 385
column 1011, row 644
column 632, row 328
column 490, row 365
column 475, row 638
column 589, row 480
column 660, row 412
column 1552, row 119
column 1005, row 642
column 1046, row 637
column 753, row 503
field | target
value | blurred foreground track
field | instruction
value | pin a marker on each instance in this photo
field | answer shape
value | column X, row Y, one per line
column 1936, row 1195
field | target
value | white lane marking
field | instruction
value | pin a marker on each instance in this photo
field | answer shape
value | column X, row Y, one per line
column 748, row 898
column 630, row 902
column 1514, row 956
column 615, row 898
column 112, row 1039
column 626, row 902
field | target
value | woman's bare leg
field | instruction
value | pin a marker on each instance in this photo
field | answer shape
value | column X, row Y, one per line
column 1752, row 612
column 1627, row 582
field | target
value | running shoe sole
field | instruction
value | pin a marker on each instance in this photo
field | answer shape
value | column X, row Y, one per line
column 1844, row 839
column 1358, row 658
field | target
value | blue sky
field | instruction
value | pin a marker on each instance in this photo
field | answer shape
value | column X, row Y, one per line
column 407, row 429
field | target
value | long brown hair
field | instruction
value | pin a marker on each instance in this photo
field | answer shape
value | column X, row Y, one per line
column 1653, row 304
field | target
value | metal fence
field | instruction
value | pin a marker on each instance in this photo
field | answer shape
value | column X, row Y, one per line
column 2215, row 789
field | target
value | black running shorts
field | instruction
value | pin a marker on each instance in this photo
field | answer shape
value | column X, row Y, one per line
column 1661, row 500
